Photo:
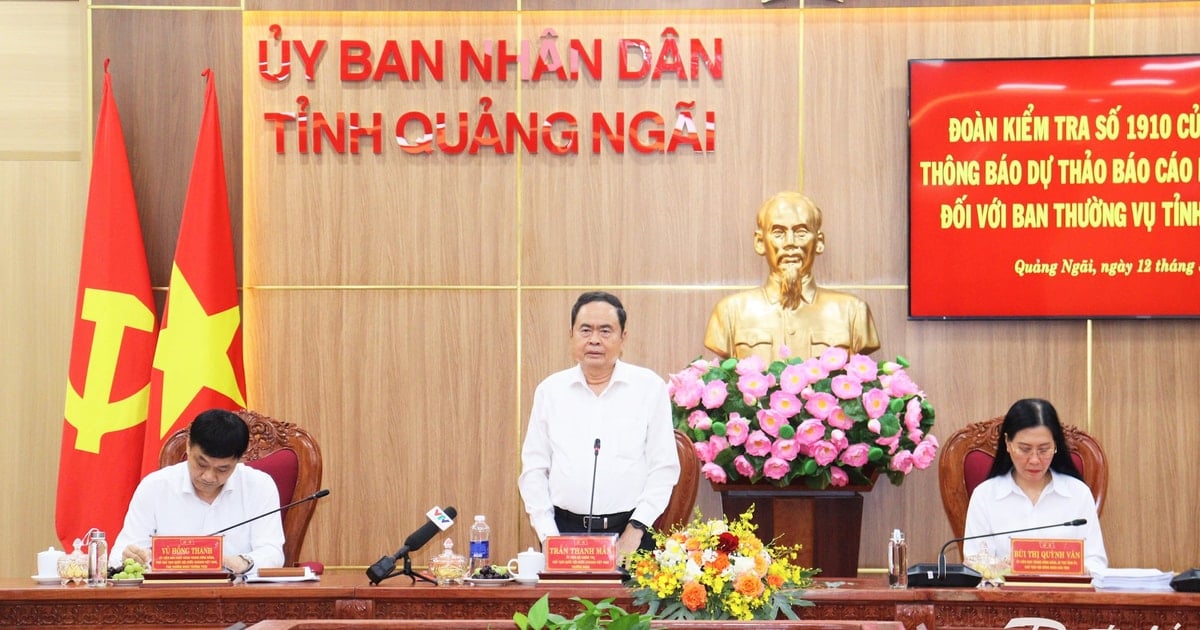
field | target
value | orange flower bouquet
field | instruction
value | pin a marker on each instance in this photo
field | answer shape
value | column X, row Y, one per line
column 718, row 569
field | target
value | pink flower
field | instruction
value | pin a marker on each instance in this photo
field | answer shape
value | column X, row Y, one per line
column 699, row 420
column 754, row 384
column 737, row 429
column 793, row 379
column 862, row 368
column 902, row 461
column 718, row 444
column 834, row 358
column 685, row 388
column 758, row 444
column 810, row 431
column 839, row 419
column 874, row 425
column 786, row 450
column 875, row 402
column 846, row 387
column 924, row 453
column 785, row 352
column 837, row 437
column 855, row 455
column 714, row 394
column 820, row 405
column 775, row 468
column 892, row 443
column 714, row 473
column 770, row 421
column 899, row 384
column 824, row 452
column 704, row 451
column 743, row 466
column 912, row 413
column 915, row 435
column 838, row 477
column 785, row 404
column 750, row 365
column 813, row 370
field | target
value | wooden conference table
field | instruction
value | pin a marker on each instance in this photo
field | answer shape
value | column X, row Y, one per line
column 346, row 594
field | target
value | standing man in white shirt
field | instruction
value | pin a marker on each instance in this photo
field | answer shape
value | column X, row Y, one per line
column 601, row 400
column 210, row 491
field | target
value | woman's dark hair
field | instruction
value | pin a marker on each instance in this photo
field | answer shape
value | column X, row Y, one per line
column 599, row 296
column 1026, row 413
column 220, row 434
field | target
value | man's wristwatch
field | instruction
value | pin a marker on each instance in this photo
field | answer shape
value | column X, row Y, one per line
column 249, row 563
column 637, row 524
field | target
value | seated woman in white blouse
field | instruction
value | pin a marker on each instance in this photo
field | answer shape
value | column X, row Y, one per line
column 1033, row 482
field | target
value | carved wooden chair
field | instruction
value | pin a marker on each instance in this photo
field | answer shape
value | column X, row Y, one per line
column 683, row 497
column 286, row 452
column 966, row 458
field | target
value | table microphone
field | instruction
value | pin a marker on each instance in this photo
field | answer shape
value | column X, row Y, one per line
column 592, row 503
column 312, row 497
column 385, row 566
column 957, row 574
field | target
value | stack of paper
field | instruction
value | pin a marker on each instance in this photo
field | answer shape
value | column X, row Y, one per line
column 1133, row 579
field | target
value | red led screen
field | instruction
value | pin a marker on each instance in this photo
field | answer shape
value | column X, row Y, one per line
column 1059, row 188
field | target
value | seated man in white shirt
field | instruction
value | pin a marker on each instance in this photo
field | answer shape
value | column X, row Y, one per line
column 210, row 491
column 601, row 400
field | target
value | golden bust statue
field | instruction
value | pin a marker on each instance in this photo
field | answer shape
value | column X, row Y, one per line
column 790, row 309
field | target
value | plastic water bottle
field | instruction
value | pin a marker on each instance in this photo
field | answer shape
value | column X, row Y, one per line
column 97, row 559
column 897, row 560
column 480, row 551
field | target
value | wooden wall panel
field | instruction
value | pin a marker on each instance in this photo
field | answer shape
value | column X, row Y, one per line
column 856, row 110
column 412, row 396
column 157, row 61
column 41, row 221
column 605, row 218
column 392, row 218
column 42, row 95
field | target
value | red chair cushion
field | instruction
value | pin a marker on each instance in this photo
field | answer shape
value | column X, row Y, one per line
column 284, row 468
column 978, row 464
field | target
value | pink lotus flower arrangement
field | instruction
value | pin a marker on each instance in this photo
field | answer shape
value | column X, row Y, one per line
column 832, row 420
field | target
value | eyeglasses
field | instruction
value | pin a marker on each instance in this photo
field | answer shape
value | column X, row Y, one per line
column 605, row 332
column 1025, row 450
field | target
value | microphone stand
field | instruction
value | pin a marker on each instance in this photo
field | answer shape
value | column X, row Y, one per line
column 407, row 570
column 592, row 503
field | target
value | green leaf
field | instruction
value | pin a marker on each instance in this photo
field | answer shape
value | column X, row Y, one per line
column 902, row 361
column 875, row 453
column 539, row 612
column 889, row 425
column 729, row 364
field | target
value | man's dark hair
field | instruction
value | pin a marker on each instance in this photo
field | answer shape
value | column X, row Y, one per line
column 599, row 296
column 220, row 434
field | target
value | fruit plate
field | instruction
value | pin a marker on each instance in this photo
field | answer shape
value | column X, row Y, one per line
column 131, row 582
column 490, row 582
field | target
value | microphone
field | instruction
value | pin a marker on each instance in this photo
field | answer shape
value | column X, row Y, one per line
column 312, row 497
column 939, row 574
column 384, row 566
column 592, row 503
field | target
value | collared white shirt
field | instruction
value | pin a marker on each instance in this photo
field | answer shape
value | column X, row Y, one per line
column 637, row 466
column 998, row 505
column 165, row 504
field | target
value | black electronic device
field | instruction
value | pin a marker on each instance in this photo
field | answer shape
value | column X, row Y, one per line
column 1187, row 581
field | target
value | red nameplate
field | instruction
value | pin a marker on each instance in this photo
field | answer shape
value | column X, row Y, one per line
column 581, row 553
column 186, row 553
column 1047, row 556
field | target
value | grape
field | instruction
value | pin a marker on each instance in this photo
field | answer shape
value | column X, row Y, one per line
column 491, row 572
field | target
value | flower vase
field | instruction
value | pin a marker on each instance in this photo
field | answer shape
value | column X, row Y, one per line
column 826, row 523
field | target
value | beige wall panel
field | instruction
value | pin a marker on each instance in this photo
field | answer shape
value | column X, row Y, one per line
column 384, row 5
column 855, row 114
column 41, row 225
column 677, row 6
column 1142, row 29
column 683, row 218
column 157, row 61
column 41, row 65
column 186, row 5
column 391, row 218
column 412, row 396
column 1145, row 415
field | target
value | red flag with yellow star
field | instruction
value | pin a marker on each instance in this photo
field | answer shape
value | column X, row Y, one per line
column 108, row 382
column 198, row 361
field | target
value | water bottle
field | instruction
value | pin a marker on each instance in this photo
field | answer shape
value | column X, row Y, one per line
column 897, row 560
column 480, row 551
column 97, row 559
